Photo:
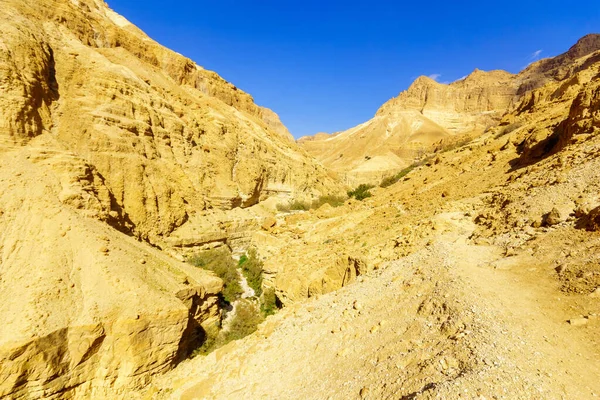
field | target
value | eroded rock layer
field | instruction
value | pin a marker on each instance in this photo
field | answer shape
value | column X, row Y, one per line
column 167, row 136
column 106, row 139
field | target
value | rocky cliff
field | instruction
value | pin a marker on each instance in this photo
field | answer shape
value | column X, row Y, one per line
column 168, row 137
column 108, row 141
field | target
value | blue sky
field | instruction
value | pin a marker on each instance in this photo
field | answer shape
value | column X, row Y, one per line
column 326, row 66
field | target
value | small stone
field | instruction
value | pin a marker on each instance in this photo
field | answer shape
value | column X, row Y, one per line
column 104, row 249
column 578, row 321
column 269, row 223
column 364, row 392
column 142, row 261
column 343, row 352
column 553, row 217
column 374, row 329
column 444, row 364
column 595, row 293
column 357, row 306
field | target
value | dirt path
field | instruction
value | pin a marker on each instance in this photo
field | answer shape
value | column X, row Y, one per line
column 527, row 302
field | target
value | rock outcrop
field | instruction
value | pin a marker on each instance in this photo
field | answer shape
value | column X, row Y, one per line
column 87, row 311
column 109, row 141
column 557, row 68
column 472, row 103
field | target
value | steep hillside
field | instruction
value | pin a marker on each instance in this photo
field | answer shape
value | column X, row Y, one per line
column 428, row 112
column 385, row 144
column 107, row 137
column 85, row 309
column 168, row 137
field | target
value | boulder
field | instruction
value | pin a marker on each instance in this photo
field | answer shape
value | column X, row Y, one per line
column 554, row 217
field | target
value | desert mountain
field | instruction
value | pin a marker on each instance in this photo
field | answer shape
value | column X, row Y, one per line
column 430, row 113
column 107, row 137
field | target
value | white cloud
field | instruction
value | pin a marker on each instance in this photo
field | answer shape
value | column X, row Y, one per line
column 535, row 55
column 435, row 77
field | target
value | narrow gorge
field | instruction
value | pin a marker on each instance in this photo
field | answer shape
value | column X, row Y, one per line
column 162, row 236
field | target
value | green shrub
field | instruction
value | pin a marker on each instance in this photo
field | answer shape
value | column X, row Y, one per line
column 269, row 304
column 362, row 192
column 297, row 205
column 211, row 337
column 283, row 207
column 244, row 323
column 220, row 262
column 454, row 144
column 334, row 201
column 389, row 181
column 252, row 269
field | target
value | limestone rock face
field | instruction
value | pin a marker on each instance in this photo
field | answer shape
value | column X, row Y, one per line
column 462, row 106
column 558, row 68
column 584, row 115
column 107, row 137
column 87, row 311
column 409, row 125
column 28, row 81
column 167, row 136
column 560, row 112
column 319, row 274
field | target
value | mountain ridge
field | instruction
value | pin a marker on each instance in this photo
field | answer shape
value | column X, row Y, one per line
column 467, row 106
